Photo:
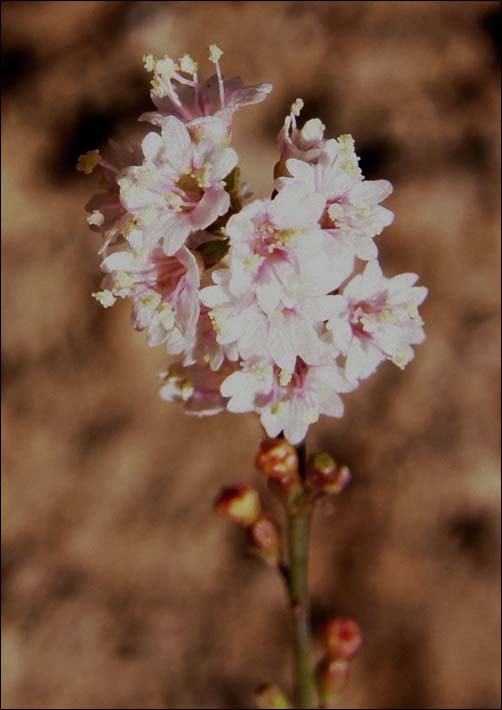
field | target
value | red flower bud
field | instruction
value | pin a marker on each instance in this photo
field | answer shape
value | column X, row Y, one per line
column 343, row 638
column 324, row 476
column 277, row 458
column 265, row 540
column 240, row 504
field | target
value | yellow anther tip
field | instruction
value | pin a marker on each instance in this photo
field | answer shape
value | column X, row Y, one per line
column 297, row 106
column 188, row 65
column 149, row 62
column 215, row 53
column 88, row 161
column 105, row 298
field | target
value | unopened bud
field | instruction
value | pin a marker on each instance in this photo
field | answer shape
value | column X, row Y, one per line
column 343, row 638
column 324, row 476
column 265, row 540
column 312, row 132
column 277, row 458
column 271, row 697
column 240, row 504
column 331, row 678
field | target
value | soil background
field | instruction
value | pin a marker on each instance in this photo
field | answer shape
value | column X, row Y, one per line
column 121, row 588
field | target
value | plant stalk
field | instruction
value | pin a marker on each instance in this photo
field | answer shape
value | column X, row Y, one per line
column 299, row 515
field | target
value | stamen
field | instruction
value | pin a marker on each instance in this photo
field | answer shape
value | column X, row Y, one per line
column 215, row 54
column 348, row 158
column 123, row 281
column 188, row 65
column 295, row 110
column 400, row 359
column 203, row 176
column 166, row 317
column 186, row 390
column 149, row 62
column 150, row 300
column 296, row 107
column 285, row 378
column 88, row 161
column 106, row 298
column 174, row 201
column 95, row 219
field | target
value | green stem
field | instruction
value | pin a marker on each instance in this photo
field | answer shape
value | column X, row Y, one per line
column 299, row 515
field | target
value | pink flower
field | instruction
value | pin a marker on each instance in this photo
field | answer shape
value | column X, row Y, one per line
column 287, row 403
column 196, row 386
column 352, row 212
column 279, row 251
column 281, row 336
column 377, row 320
column 208, row 108
column 206, row 348
column 272, row 299
column 163, row 290
column 179, row 189
column 304, row 143
column 247, row 299
column 107, row 214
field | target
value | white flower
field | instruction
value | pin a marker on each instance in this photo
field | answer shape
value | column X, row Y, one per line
column 377, row 319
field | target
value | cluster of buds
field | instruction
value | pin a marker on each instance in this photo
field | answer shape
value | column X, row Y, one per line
column 324, row 476
column 278, row 460
column 241, row 504
column 342, row 639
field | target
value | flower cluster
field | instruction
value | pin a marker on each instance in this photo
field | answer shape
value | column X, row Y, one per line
column 262, row 306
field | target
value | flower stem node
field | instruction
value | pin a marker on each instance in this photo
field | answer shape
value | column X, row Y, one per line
column 264, row 539
column 331, row 678
column 239, row 504
column 343, row 638
column 271, row 697
column 324, row 476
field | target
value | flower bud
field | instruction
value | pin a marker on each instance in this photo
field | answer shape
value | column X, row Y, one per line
column 277, row 458
column 343, row 638
column 324, row 476
column 265, row 540
column 271, row 697
column 240, row 504
column 331, row 678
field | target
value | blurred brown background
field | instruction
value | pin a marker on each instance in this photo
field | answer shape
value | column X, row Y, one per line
column 121, row 588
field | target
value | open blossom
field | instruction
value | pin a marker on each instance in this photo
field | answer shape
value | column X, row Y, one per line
column 273, row 297
column 163, row 290
column 207, row 108
column 304, row 143
column 106, row 212
column 352, row 212
column 179, row 188
column 196, row 386
column 377, row 320
column 287, row 402
column 279, row 251
column 206, row 348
